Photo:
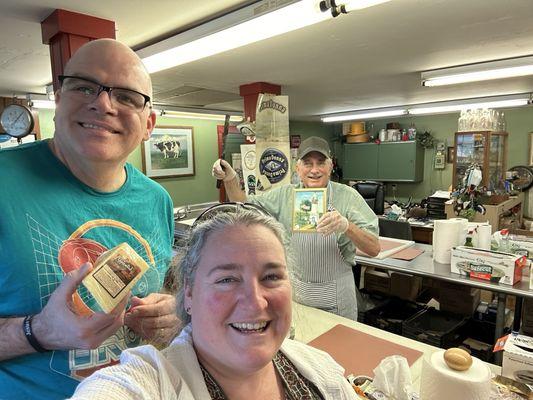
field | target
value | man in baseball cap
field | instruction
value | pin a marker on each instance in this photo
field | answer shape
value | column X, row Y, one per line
column 322, row 276
column 314, row 143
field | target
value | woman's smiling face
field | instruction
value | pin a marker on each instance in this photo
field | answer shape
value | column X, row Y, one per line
column 241, row 300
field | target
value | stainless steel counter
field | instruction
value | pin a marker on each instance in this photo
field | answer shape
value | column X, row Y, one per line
column 183, row 218
column 423, row 265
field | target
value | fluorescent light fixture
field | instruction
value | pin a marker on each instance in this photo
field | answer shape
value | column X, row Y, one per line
column 458, row 105
column 352, row 5
column 366, row 114
column 509, row 68
column 50, row 92
column 43, row 104
column 196, row 115
column 248, row 25
column 440, row 107
column 338, row 7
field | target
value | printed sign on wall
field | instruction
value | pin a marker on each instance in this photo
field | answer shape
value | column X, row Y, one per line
column 272, row 142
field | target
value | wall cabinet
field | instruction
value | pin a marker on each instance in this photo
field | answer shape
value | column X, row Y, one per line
column 388, row 161
column 488, row 150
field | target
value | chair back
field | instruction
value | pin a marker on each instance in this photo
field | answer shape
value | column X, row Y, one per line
column 373, row 194
column 395, row 229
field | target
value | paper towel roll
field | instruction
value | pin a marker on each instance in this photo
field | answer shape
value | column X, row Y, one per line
column 484, row 236
column 463, row 230
column 446, row 234
column 439, row 382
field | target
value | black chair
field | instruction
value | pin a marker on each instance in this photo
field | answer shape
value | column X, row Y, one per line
column 395, row 229
column 373, row 193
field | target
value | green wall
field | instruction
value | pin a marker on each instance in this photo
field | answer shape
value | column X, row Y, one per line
column 201, row 188
column 306, row 129
column 443, row 127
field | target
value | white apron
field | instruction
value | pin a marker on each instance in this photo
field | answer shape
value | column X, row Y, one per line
column 321, row 277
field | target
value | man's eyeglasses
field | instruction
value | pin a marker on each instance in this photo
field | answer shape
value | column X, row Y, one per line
column 230, row 207
column 88, row 90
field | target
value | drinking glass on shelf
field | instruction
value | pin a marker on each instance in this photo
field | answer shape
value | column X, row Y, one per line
column 502, row 124
column 461, row 122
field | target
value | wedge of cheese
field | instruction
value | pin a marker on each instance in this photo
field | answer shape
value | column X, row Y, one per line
column 114, row 274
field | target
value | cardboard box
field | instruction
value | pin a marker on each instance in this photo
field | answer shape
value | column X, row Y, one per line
column 490, row 265
column 527, row 316
column 487, row 296
column 445, row 285
column 479, row 349
column 405, row 286
column 518, row 358
column 377, row 281
column 460, row 301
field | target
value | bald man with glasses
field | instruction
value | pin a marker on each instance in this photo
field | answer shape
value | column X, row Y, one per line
column 67, row 200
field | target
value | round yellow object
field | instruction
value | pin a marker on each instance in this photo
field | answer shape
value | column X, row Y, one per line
column 457, row 359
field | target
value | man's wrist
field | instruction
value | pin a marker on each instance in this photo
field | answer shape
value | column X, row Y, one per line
column 27, row 329
column 347, row 225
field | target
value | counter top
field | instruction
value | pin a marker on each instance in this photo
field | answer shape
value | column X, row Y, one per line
column 423, row 265
column 309, row 323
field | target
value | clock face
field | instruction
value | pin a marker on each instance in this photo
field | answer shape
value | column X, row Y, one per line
column 249, row 160
column 523, row 177
column 17, row 120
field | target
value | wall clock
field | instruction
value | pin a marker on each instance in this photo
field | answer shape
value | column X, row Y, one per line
column 17, row 120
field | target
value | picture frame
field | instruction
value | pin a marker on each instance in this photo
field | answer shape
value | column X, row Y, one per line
column 308, row 206
column 530, row 148
column 450, row 155
column 169, row 152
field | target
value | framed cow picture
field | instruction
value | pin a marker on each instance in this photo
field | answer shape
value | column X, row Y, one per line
column 169, row 152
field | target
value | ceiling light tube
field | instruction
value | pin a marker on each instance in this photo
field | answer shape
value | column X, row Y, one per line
column 509, row 68
column 43, row 104
column 248, row 25
column 352, row 5
column 365, row 114
column 345, row 6
column 469, row 104
column 196, row 115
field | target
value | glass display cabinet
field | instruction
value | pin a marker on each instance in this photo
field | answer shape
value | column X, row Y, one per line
column 485, row 148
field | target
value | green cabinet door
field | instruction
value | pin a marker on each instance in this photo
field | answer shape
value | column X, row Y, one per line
column 360, row 161
column 388, row 161
column 401, row 161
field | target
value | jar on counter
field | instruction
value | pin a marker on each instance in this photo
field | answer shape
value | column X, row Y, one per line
column 383, row 135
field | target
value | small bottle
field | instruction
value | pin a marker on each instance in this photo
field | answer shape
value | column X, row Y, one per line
column 504, row 244
column 411, row 132
column 502, row 123
column 469, row 240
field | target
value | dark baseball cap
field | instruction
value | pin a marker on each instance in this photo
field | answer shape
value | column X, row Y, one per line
column 313, row 143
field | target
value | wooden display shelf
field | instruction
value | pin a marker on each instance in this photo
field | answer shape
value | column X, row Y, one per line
column 493, row 212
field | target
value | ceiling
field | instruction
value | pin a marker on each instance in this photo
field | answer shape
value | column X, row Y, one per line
column 366, row 59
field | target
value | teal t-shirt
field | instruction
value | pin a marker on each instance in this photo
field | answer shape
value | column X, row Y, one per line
column 51, row 222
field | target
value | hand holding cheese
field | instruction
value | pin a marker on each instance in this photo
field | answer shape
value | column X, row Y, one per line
column 59, row 327
column 114, row 274
column 153, row 317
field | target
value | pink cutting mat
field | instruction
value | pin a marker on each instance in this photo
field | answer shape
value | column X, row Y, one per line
column 359, row 353
column 407, row 254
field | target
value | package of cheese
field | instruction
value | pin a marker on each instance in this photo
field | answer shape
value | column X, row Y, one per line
column 114, row 274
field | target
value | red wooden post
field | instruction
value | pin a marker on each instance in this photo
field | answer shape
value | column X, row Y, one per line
column 66, row 31
column 251, row 91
